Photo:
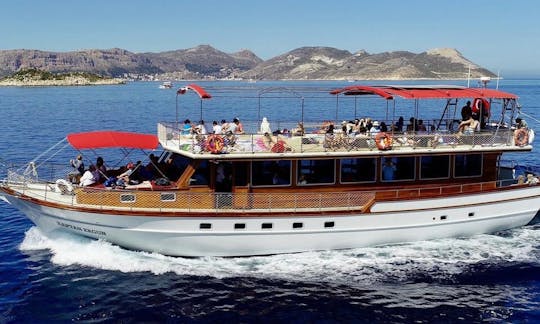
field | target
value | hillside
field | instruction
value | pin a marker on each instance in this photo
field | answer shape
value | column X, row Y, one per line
column 206, row 62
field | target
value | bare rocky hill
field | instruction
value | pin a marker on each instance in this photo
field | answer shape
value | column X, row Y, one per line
column 204, row 61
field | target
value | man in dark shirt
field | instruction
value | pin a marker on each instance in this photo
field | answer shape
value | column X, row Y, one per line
column 466, row 111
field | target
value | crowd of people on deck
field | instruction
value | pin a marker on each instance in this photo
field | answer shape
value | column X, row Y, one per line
column 124, row 176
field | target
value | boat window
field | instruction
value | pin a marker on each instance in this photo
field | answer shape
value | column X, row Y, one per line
column 127, row 198
column 435, row 167
column 358, row 170
column 398, row 168
column 205, row 226
column 316, row 171
column 241, row 176
column 201, row 175
column 298, row 225
column 168, row 196
column 468, row 165
column 266, row 225
column 271, row 173
column 239, row 226
column 329, row 224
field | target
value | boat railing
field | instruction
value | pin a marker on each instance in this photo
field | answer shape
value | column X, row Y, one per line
column 172, row 138
column 171, row 200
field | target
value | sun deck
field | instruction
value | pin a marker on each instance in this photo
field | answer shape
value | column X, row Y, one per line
column 320, row 144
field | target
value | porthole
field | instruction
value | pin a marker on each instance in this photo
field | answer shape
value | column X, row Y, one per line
column 205, row 226
column 443, row 217
column 329, row 224
column 471, row 214
column 298, row 225
column 266, row 225
column 239, row 226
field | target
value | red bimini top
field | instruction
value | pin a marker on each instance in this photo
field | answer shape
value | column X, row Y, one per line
column 423, row 92
column 110, row 139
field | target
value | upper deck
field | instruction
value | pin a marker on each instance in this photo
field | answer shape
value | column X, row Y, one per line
column 316, row 144
column 433, row 127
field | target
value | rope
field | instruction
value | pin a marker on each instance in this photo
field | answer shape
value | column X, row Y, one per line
column 529, row 116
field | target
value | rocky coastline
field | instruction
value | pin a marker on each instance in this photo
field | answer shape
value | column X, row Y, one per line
column 38, row 78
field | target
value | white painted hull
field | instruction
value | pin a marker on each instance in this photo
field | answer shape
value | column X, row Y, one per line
column 389, row 222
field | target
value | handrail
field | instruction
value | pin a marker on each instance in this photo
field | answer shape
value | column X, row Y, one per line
column 253, row 143
column 240, row 203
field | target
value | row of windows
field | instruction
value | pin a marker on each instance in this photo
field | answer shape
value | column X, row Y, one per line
column 362, row 170
column 240, row 226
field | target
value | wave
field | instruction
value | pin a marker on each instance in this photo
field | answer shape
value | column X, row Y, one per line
column 444, row 260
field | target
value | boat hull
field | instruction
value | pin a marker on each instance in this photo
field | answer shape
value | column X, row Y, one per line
column 389, row 222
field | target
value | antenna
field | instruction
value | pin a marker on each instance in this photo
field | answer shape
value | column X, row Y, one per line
column 469, row 77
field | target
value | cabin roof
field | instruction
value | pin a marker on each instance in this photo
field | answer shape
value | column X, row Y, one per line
column 423, row 92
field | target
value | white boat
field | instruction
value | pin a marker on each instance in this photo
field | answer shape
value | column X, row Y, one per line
column 258, row 194
column 166, row 85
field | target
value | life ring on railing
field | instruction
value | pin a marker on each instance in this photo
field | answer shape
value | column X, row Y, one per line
column 521, row 137
column 383, row 141
column 480, row 104
column 214, row 144
column 63, row 186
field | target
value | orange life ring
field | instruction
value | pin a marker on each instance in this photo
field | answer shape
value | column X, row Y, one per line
column 521, row 137
column 214, row 144
column 480, row 104
column 383, row 141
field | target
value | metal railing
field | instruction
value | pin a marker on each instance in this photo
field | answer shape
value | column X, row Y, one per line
column 171, row 137
column 237, row 202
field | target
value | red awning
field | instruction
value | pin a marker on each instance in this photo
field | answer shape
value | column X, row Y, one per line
column 109, row 139
column 198, row 89
column 424, row 92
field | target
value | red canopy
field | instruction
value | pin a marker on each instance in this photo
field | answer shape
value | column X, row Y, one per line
column 198, row 89
column 108, row 139
column 424, row 92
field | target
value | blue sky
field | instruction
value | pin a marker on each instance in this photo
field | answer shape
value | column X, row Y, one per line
column 501, row 35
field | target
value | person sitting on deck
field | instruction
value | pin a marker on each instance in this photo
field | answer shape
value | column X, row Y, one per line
column 87, row 178
column 468, row 126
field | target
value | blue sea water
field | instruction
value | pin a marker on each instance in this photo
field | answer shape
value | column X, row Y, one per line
column 65, row 278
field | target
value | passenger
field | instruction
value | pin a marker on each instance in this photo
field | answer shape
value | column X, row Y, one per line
column 201, row 128
column 265, row 126
column 216, row 128
column 531, row 180
column 302, row 180
column 413, row 125
column 421, row 126
column 466, row 111
column 87, row 178
column 398, row 127
column 78, row 169
column 383, row 127
column 186, row 130
column 469, row 126
column 124, row 178
column 356, row 127
column 224, row 126
column 232, row 127
column 520, row 123
column 374, row 128
column 388, row 170
column 299, row 130
column 239, row 129
column 100, row 174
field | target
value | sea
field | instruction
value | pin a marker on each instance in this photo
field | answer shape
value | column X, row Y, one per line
column 62, row 278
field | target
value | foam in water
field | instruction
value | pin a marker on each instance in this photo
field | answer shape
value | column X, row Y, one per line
column 438, row 258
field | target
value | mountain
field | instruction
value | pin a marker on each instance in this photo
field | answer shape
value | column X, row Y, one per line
column 204, row 61
column 324, row 63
